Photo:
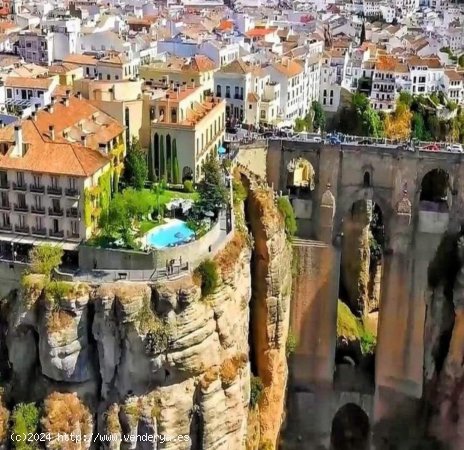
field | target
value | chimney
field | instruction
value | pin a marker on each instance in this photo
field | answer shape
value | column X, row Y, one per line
column 51, row 130
column 79, row 95
column 102, row 147
column 66, row 102
column 68, row 92
column 84, row 140
column 37, row 106
column 53, row 100
column 34, row 116
column 18, row 135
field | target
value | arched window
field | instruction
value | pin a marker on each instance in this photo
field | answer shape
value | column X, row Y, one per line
column 174, row 115
column 435, row 190
column 367, row 179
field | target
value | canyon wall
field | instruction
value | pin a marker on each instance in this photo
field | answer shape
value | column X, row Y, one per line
column 135, row 358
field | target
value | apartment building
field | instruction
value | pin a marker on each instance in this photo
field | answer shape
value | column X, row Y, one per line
column 24, row 93
column 186, row 128
column 289, row 74
column 177, row 71
column 35, row 47
column 426, row 75
column 43, row 184
column 390, row 75
column 454, row 85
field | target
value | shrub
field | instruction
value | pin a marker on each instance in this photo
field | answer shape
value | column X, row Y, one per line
column 45, row 258
column 4, row 417
column 25, row 421
column 188, row 186
column 368, row 343
column 285, row 208
column 266, row 445
column 64, row 414
column 292, row 343
column 256, row 390
column 240, row 193
column 207, row 273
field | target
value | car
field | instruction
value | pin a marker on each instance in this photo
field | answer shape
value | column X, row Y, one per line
column 431, row 147
column 455, row 148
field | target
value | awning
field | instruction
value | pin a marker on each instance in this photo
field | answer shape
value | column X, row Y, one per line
column 29, row 240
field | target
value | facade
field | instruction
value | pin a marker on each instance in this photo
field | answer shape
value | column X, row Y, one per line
column 43, row 185
column 454, row 85
column 176, row 72
column 35, row 47
column 186, row 128
column 22, row 93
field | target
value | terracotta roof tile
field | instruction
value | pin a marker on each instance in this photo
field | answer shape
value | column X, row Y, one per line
column 50, row 157
column 28, row 82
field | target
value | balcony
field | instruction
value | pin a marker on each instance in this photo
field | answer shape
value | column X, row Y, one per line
column 238, row 97
column 73, row 213
column 37, row 189
column 4, row 184
column 39, row 231
column 37, row 209
column 21, row 208
column 56, row 234
column 54, row 190
column 20, row 187
column 5, row 227
column 56, row 212
column 5, row 207
column 71, row 192
column 73, row 235
column 22, row 229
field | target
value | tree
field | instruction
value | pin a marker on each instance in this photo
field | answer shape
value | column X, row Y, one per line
column 286, row 209
column 406, row 98
column 45, row 258
column 372, row 124
column 212, row 191
column 461, row 60
column 162, row 163
column 319, row 116
column 398, row 123
column 418, row 127
column 175, row 163
column 363, row 33
column 299, row 125
column 136, row 168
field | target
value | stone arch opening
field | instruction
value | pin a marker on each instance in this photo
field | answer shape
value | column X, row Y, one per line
column 367, row 179
column 435, row 193
column 350, row 429
column 361, row 267
column 300, row 177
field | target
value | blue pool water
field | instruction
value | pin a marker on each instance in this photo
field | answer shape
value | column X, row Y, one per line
column 173, row 233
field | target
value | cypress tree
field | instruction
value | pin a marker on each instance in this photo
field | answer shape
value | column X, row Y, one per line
column 162, row 160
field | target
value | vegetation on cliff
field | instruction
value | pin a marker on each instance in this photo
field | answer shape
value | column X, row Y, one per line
column 285, row 208
column 256, row 391
column 207, row 275
column 25, row 420
column 354, row 329
column 65, row 414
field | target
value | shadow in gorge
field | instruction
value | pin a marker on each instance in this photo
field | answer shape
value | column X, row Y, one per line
column 359, row 297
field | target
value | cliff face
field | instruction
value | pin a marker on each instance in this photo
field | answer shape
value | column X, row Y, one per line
column 159, row 359
column 444, row 357
column 270, row 306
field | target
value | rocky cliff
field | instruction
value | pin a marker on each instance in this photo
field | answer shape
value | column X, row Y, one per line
column 127, row 358
column 444, row 356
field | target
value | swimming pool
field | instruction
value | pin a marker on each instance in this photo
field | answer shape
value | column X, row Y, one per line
column 173, row 233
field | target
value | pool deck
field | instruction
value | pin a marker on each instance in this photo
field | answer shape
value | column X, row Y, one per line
column 111, row 276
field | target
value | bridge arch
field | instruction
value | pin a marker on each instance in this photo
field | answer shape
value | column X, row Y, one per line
column 301, row 175
column 351, row 429
column 435, row 191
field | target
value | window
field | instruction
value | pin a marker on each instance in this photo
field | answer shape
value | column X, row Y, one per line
column 108, row 77
column 72, row 183
column 9, row 93
column 250, row 106
column 5, row 220
column 236, row 92
column 263, row 114
column 54, row 182
column 227, row 91
column 20, row 178
column 38, row 201
column 74, row 227
column 23, row 94
column 39, row 223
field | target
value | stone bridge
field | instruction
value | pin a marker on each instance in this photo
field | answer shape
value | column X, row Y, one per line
column 420, row 198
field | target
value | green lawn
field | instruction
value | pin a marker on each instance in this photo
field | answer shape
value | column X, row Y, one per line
column 146, row 226
column 167, row 196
